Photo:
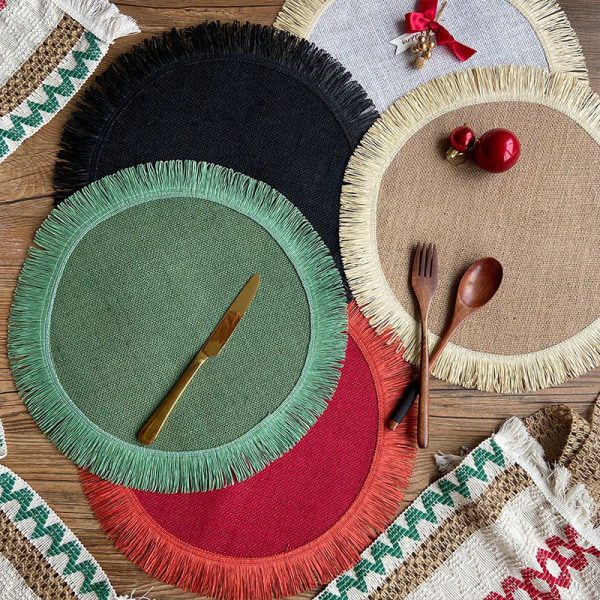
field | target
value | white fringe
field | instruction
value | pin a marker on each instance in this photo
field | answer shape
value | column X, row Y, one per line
column 559, row 40
column 468, row 368
column 300, row 16
column 448, row 462
column 100, row 17
column 574, row 503
column 550, row 23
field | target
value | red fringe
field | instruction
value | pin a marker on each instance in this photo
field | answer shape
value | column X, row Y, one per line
column 175, row 562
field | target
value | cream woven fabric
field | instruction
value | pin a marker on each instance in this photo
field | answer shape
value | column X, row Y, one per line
column 504, row 525
column 48, row 48
column 40, row 557
column 358, row 33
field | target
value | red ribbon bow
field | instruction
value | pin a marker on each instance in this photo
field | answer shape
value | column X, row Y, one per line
column 421, row 21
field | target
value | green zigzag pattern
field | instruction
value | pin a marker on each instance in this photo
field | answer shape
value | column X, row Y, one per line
column 56, row 531
column 52, row 105
column 413, row 516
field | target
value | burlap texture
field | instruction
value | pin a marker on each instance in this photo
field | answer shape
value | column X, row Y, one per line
column 541, row 219
column 359, row 33
column 140, row 295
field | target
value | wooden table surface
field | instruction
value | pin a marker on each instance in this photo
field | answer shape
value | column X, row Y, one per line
column 458, row 417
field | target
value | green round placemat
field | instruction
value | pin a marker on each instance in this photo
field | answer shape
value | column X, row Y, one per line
column 129, row 278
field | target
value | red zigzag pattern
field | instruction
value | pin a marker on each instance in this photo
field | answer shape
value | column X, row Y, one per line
column 576, row 560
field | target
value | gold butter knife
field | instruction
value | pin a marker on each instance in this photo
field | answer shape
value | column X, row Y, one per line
column 148, row 433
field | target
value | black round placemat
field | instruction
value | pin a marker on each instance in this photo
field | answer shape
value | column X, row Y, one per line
column 260, row 101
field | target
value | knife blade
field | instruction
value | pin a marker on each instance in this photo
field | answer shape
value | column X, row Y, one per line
column 217, row 339
column 222, row 332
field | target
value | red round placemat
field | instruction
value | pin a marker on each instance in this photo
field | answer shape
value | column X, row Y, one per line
column 298, row 523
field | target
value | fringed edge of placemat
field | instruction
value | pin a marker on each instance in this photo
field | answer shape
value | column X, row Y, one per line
column 300, row 16
column 87, row 124
column 101, row 17
column 135, row 465
column 502, row 466
column 560, row 42
column 546, row 17
column 457, row 365
column 175, row 562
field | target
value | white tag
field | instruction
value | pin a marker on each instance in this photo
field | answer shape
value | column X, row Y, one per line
column 404, row 42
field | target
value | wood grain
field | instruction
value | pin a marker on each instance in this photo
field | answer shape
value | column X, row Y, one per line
column 458, row 417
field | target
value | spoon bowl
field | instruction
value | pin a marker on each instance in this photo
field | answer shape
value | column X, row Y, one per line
column 479, row 283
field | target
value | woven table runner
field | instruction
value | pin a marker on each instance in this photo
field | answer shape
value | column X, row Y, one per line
column 541, row 220
column 131, row 277
column 503, row 32
column 40, row 557
column 516, row 519
column 302, row 520
column 259, row 101
column 48, row 48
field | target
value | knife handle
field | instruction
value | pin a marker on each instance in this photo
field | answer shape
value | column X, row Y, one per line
column 409, row 396
column 148, row 433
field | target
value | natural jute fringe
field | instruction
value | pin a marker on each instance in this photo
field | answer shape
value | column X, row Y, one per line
column 550, row 23
column 128, row 464
column 490, row 372
column 173, row 561
column 101, row 17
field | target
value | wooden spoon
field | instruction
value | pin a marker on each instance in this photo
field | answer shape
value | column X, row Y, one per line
column 476, row 288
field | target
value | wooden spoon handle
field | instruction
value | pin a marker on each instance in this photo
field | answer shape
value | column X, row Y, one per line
column 423, row 421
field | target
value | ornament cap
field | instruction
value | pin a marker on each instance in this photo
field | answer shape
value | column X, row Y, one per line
column 462, row 138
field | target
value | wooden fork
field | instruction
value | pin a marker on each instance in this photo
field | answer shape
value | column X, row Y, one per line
column 424, row 283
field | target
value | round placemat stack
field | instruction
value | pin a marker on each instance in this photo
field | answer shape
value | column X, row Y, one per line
column 133, row 270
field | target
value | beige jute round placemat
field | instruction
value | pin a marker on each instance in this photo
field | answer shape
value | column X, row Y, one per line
column 541, row 219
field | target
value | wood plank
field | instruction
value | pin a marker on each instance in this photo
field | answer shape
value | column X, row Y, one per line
column 458, row 417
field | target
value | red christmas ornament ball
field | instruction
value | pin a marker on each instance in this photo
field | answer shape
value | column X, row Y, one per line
column 462, row 138
column 497, row 150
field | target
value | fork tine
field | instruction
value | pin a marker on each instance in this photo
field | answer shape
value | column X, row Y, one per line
column 429, row 260
column 434, row 264
column 423, row 263
column 416, row 261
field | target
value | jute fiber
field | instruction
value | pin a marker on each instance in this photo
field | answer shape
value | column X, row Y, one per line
column 299, row 522
column 505, row 524
column 40, row 557
column 48, row 48
column 541, row 220
column 504, row 32
column 248, row 97
column 134, row 274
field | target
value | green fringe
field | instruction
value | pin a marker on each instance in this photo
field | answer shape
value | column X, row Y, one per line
column 139, row 466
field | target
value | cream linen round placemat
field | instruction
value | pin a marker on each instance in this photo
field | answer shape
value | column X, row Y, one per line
column 504, row 32
column 541, row 219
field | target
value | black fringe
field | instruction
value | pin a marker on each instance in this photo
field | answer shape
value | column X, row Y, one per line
column 122, row 78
